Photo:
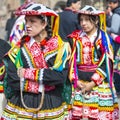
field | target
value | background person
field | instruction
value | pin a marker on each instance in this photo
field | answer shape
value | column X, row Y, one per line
column 68, row 18
column 115, row 29
column 9, row 25
column 108, row 16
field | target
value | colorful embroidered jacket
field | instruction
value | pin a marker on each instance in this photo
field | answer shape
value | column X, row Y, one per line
column 92, row 63
column 46, row 65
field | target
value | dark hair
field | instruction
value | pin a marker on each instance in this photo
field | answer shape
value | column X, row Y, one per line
column 69, row 2
column 12, row 14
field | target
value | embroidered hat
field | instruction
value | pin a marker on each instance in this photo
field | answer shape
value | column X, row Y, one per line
column 90, row 10
column 35, row 9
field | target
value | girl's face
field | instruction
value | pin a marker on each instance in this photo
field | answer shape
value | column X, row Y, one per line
column 34, row 25
column 87, row 25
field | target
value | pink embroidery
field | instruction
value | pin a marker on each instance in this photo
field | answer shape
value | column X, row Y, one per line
column 32, row 87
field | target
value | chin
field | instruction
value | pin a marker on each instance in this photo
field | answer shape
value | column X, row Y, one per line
column 30, row 35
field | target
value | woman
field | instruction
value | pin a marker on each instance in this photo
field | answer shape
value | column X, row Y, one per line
column 94, row 95
column 36, row 71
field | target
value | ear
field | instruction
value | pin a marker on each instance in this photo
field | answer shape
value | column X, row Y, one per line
column 44, row 25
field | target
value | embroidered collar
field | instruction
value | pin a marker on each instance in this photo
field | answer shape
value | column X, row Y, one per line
column 92, row 38
column 32, row 41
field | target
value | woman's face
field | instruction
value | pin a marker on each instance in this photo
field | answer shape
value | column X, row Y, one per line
column 86, row 24
column 34, row 25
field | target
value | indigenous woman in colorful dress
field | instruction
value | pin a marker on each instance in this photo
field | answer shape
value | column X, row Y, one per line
column 4, row 47
column 37, row 67
column 94, row 96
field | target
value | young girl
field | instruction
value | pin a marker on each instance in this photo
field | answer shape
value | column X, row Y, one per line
column 36, row 70
column 94, row 96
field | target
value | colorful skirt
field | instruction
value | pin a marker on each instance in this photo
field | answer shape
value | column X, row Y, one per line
column 13, row 112
column 99, row 104
column 53, row 108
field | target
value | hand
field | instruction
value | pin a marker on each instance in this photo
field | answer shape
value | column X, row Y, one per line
column 20, row 72
column 80, row 85
column 88, row 87
column 114, row 36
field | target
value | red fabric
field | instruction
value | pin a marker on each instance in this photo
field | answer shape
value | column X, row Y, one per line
column 117, row 39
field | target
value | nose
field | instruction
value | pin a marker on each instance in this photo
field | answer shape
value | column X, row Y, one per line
column 83, row 23
column 27, row 24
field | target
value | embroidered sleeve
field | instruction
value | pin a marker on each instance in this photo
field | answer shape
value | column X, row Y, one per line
column 33, row 74
column 53, row 75
column 46, row 76
column 30, row 86
column 100, row 73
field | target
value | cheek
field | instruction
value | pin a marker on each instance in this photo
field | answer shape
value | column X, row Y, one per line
column 90, row 24
column 37, row 29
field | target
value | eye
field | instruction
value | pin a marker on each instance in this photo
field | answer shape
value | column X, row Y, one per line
column 32, row 21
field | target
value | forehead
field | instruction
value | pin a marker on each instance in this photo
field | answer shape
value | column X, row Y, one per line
column 111, row 3
column 84, row 16
column 30, row 16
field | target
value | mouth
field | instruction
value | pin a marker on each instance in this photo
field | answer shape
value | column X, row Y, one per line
column 28, row 31
column 84, row 28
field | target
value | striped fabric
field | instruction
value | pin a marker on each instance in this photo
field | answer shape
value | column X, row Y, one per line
column 36, row 9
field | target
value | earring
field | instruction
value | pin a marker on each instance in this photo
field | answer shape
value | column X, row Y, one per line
column 40, row 35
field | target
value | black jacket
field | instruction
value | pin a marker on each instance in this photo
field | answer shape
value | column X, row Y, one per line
column 68, row 23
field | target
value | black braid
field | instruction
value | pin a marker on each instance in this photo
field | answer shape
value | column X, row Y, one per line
column 98, row 33
column 48, row 28
column 23, row 40
column 98, row 53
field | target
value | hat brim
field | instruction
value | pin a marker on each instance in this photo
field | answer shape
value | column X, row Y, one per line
column 90, row 13
column 33, row 12
column 35, row 9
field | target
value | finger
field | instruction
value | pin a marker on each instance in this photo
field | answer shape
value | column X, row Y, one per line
column 83, row 91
